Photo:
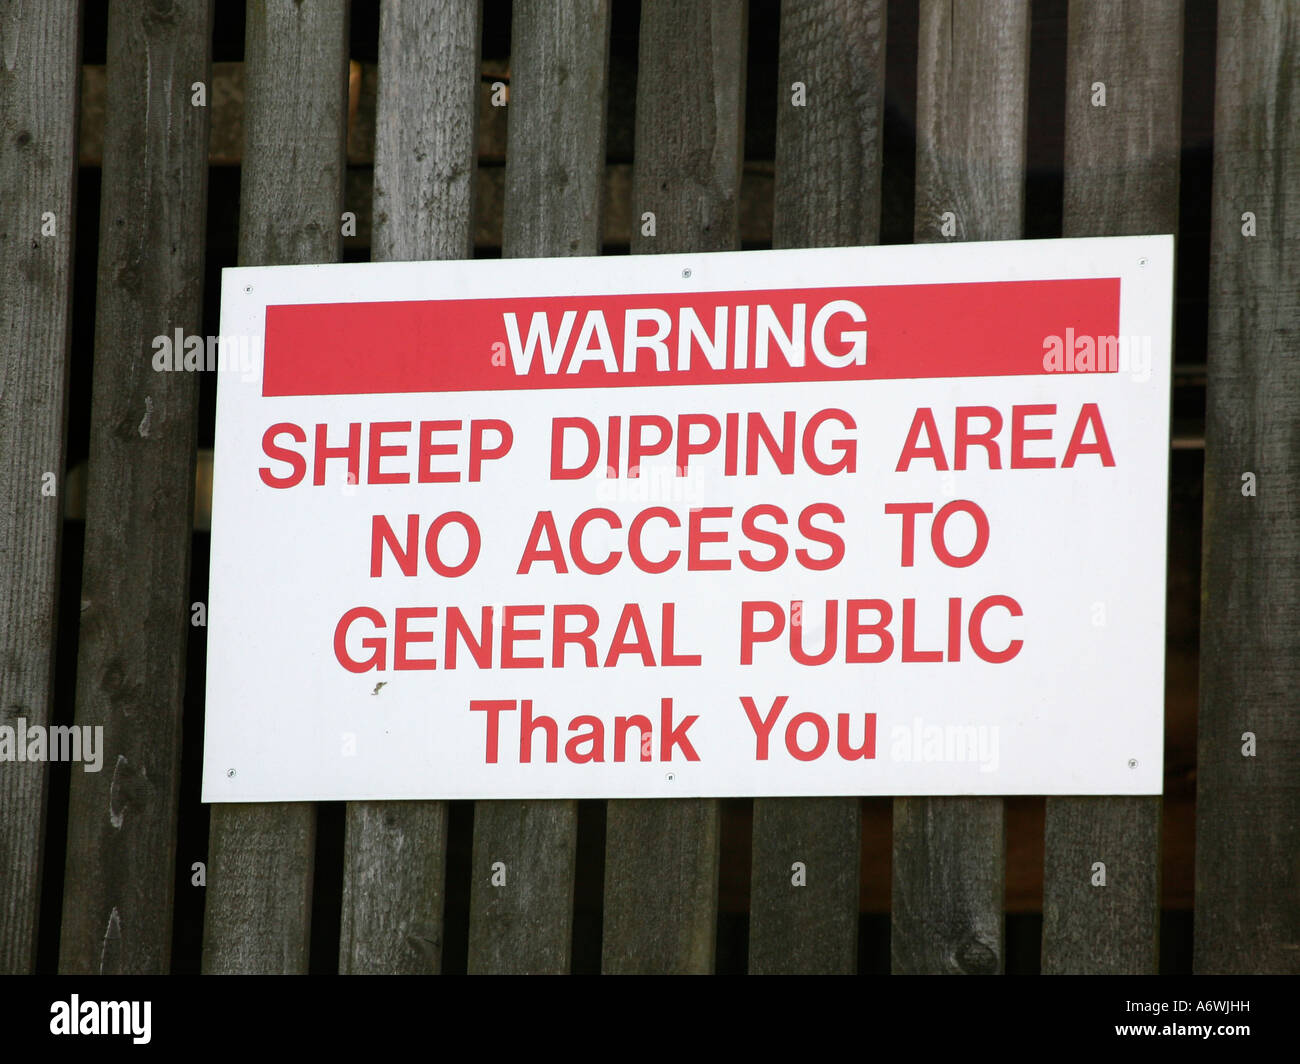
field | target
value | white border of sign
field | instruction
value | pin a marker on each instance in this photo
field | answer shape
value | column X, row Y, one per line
column 270, row 738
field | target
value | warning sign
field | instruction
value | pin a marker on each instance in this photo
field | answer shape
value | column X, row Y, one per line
column 841, row 521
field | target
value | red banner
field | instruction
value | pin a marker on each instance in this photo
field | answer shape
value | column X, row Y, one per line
column 883, row 332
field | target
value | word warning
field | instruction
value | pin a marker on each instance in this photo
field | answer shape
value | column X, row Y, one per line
column 848, row 521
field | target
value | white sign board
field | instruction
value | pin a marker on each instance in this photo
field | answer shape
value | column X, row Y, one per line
column 848, row 521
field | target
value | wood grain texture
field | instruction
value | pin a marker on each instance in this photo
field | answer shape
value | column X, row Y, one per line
column 661, row 856
column 258, row 917
column 828, row 152
column 40, row 59
column 555, row 155
column 1101, row 930
column 1248, row 808
column 524, row 925
column 810, row 928
column 424, row 155
column 555, row 168
column 135, row 606
column 972, row 84
column 395, row 853
column 689, row 125
column 971, row 99
column 394, row 878
column 661, row 886
column 1121, row 160
column 949, row 863
column 827, row 194
column 1121, row 179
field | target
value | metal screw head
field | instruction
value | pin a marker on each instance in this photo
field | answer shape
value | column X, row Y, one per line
column 248, row 288
column 670, row 776
column 686, row 273
column 1142, row 262
column 1132, row 763
column 230, row 773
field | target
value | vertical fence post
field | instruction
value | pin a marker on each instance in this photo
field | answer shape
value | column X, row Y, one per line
column 827, row 194
column 1247, row 781
column 661, row 855
column 395, row 853
column 135, row 607
column 555, row 170
column 972, row 85
column 40, row 65
column 1121, row 179
column 258, row 917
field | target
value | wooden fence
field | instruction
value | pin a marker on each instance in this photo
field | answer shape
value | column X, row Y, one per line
column 661, row 870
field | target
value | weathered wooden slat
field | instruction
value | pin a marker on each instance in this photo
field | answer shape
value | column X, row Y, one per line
column 1122, row 158
column 40, row 57
column 803, row 910
column 828, row 157
column 1248, row 807
column 135, row 607
column 1112, row 928
column 117, row 905
column 661, row 856
column 226, row 102
column 689, row 125
column 555, row 151
column 972, row 85
column 616, row 205
column 395, row 856
column 521, row 893
column 828, row 149
column 949, row 863
column 1121, row 179
column 258, row 917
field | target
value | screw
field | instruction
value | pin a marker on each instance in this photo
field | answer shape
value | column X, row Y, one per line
column 670, row 777
column 1132, row 762
column 230, row 773
column 686, row 273
column 248, row 288
column 1142, row 262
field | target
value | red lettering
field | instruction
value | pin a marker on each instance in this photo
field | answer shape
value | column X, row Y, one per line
column 749, row 635
column 580, row 558
column 478, row 454
column 433, row 536
column 1019, row 434
column 1088, row 415
column 402, row 637
column 543, row 525
column 493, row 709
column 963, row 438
column 297, row 463
column 976, row 629
column 820, row 535
column 351, row 451
column 372, row 643
column 425, row 474
column 749, row 526
column 696, row 537
column 379, row 451
column 922, row 421
column 510, row 635
column 908, row 511
column 762, row 725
